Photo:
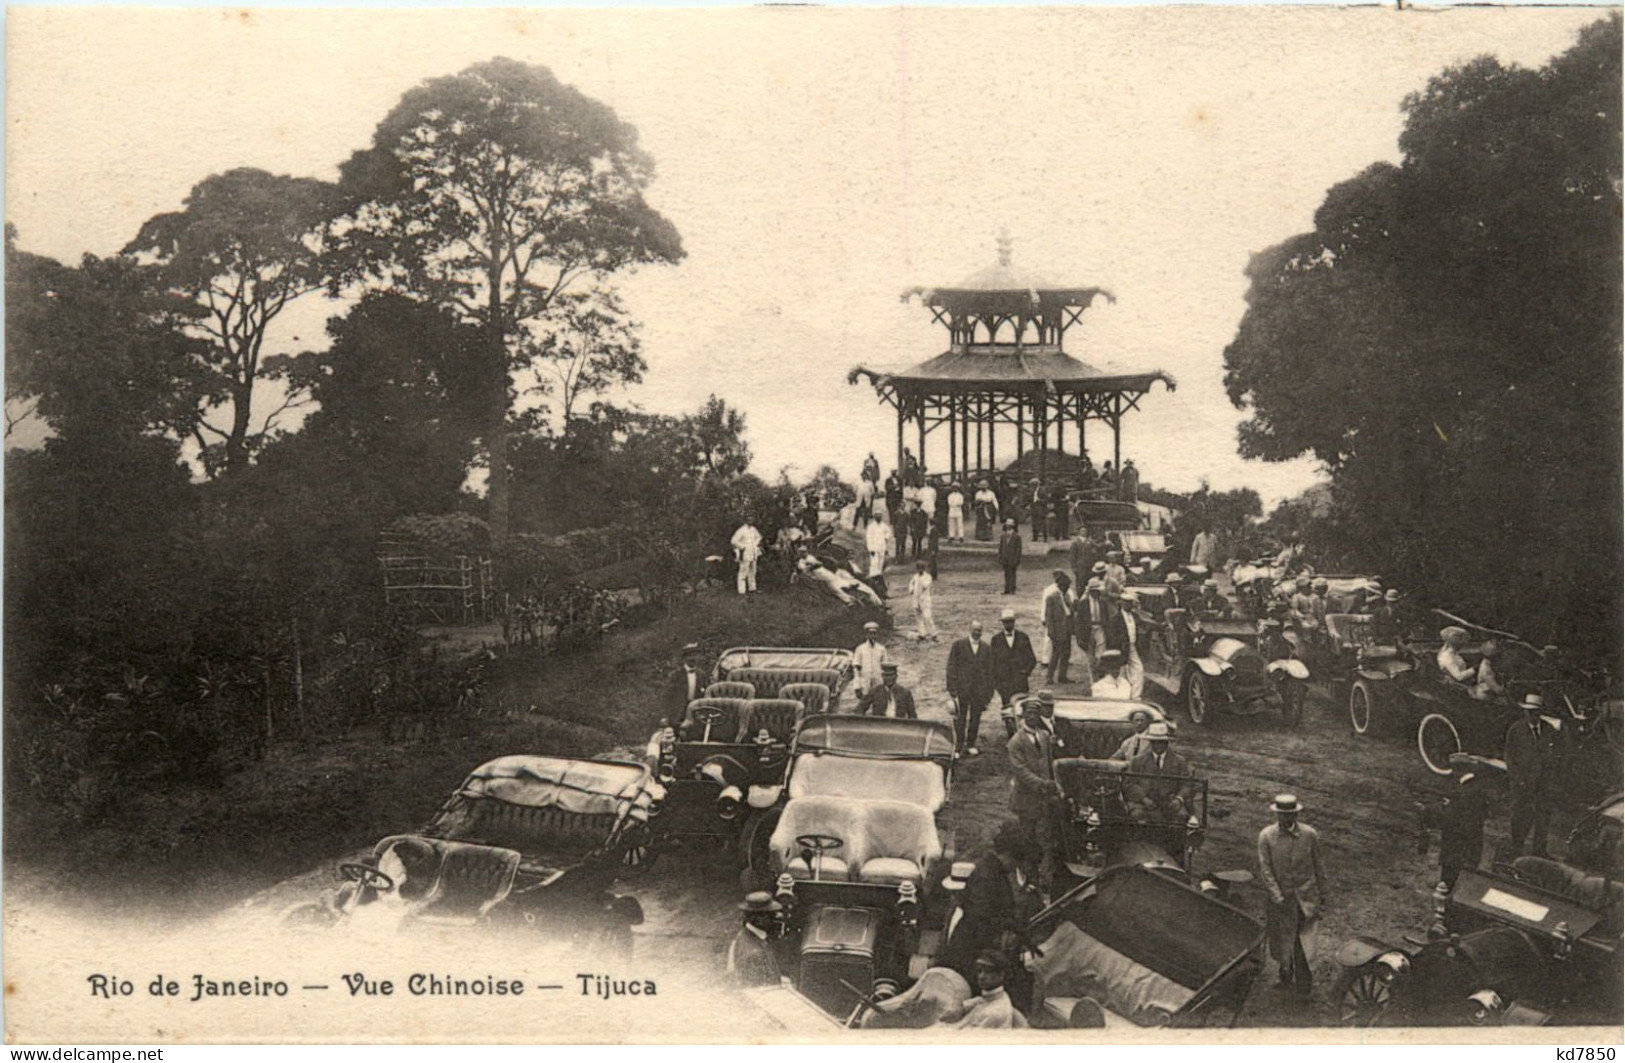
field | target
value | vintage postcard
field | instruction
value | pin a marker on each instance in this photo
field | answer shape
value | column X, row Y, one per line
column 1048, row 525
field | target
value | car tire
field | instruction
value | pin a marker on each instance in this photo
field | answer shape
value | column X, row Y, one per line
column 1363, row 708
column 1436, row 739
column 1198, row 698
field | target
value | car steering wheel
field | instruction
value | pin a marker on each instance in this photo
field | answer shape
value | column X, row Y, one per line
column 708, row 716
column 819, row 843
column 367, row 876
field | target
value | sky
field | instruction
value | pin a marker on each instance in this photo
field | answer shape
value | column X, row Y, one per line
column 817, row 162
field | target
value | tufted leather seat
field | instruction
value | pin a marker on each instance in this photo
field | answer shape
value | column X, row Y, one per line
column 814, row 696
column 769, row 682
column 890, row 870
column 777, row 716
column 729, row 688
column 525, row 828
column 1596, row 892
column 723, row 730
column 831, row 867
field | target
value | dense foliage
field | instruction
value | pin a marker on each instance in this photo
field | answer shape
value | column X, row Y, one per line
column 1446, row 342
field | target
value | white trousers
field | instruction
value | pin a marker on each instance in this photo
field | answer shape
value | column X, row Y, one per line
column 956, row 524
column 926, row 622
column 1134, row 672
column 747, row 575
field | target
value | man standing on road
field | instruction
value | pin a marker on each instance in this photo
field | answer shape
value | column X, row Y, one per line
column 956, row 514
column 1131, row 482
column 987, row 913
column 1204, row 549
column 867, row 660
column 1089, row 622
column 747, row 544
column 1013, row 661
column 1035, row 797
column 1534, row 772
column 750, row 954
column 1289, row 867
column 920, row 590
column 877, row 542
column 1128, row 625
column 888, row 699
column 1057, row 614
column 1084, row 553
column 1010, row 555
column 970, row 685
column 918, row 523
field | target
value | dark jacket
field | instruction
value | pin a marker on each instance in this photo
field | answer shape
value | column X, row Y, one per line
column 874, row 703
column 674, row 702
column 918, row 521
column 1159, row 784
column 1084, row 553
column 1011, row 664
column 1083, row 624
column 1010, row 550
column 1032, row 773
column 1534, row 759
column 970, row 674
column 988, row 911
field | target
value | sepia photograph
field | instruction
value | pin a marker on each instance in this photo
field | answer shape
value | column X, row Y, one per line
column 834, row 525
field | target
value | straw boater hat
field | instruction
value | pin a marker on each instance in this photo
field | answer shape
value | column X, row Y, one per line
column 1159, row 732
column 1008, row 614
column 1533, row 702
column 1094, row 584
column 1286, row 803
column 691, row 649
column 760, row 901
column 1210, row 583
column 957, row 874
column 1453, row 634
column 1009, row 522
column 1099, row 566
column 1128, row 595
column 1391, row 595
column 1174, row 577
column 871, row 626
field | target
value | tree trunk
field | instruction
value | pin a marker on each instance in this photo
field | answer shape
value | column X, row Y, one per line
column 242, row 398
column 498, row 489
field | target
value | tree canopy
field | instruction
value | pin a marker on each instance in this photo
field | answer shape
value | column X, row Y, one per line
column 492, row 192
column 1445, row 342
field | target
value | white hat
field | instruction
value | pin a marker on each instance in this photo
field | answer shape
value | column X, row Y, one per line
column 1008, row 614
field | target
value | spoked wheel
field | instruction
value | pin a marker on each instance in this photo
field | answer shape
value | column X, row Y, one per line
column 1436, row 739
column 1365, row 999
column 639, row 858
column 754, row 850
column 1198, row 697
column 1362, row 706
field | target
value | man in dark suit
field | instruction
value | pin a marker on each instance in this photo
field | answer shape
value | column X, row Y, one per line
column 970, row 684
column 685, row 685
column 1036, row 798
column 918, row 523
column 1058, row 605
column 1158, row 789
column 888, row 699
column 1084, row 552
column 1013, row 661
column 1534, row 754
column 1010, row 555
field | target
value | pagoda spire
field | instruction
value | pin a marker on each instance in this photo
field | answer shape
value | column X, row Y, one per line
column 1004, row 244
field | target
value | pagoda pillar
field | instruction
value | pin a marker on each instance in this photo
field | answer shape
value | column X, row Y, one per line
column 900, row 419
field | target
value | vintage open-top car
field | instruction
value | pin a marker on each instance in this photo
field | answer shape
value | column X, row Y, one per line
column 1215, row 665
column 857, row 855
column 530, row 840
column 769, row 669
column 1145, row 553
column 1096, row 727
column 1135, row 946
column 1532, row 944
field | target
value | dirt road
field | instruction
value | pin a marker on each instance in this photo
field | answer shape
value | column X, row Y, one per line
column 1358, row 793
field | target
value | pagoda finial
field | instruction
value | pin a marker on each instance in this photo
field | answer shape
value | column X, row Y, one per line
column 1004, row 244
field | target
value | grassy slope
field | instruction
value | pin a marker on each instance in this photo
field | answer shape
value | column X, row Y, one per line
column 189, row 851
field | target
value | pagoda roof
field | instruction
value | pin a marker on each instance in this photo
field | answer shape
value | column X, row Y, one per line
column 1004, row 279
column 1015, row 368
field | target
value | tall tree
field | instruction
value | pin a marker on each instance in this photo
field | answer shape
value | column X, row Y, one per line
column 587, row 345
column 247, row 244
column 492, row 192
column 1446, row 343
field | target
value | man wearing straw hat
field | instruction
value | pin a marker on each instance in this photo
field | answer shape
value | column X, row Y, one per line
column 986, row 912
column 1010, row 554
column 1534, row 772
column 1290, row 869
column 750, row 955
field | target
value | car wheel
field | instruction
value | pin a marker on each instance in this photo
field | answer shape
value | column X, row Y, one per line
column 1198, row 697
column 1436, row 739
column 1362, row 706
column 639, row 858
column 1365, row 999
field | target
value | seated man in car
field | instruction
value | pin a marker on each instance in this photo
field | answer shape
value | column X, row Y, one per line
column 1451, row 663
column 1303, row 605
column 1272, row 643
column 1211, row 605
column 1109, row 683
column 1158, row 789
column 1486, row 684
column 992, row 1010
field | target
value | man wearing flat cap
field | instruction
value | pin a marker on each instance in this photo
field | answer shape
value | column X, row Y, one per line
column 1013, row 661
column 1010, row 555
column 889, row 698
column 750, row 955
column 1159, row 787
column 1294, row 881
